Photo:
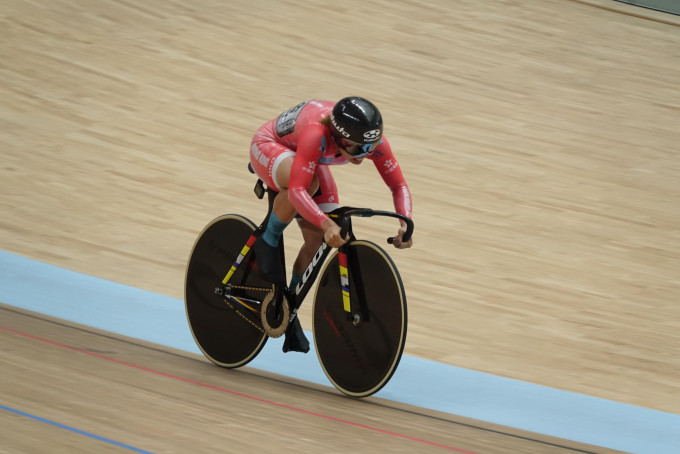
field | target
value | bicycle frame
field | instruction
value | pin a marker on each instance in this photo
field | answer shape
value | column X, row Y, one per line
column 297, row 295
column 342, row 216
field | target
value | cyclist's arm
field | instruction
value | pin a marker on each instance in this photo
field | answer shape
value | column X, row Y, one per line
column 310, row 147
column 389, row 170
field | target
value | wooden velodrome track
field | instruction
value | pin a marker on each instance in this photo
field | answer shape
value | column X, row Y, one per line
column 539, row 139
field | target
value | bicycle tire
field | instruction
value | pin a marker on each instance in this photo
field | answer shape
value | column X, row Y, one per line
column 229, row 339
column 360, row 360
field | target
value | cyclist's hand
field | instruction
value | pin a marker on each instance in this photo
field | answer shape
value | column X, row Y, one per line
column 331, row 234
column 396, row 241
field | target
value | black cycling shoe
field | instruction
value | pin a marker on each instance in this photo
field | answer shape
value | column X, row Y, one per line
column 269, row 262
column 295, row 341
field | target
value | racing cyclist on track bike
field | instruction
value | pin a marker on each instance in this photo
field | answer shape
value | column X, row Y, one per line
column 291, row 154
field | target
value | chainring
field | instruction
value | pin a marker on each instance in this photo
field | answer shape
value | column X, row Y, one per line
column 275, row 313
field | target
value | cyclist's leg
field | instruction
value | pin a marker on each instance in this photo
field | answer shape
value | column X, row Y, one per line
column 295, row 339
column 274, row 170
column 312, row 237
column 327, row 199
column 272, row 162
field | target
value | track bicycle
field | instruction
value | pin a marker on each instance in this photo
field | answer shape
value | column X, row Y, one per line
column 359, row 309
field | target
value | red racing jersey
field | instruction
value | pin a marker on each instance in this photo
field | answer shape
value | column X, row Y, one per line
column 300, row 130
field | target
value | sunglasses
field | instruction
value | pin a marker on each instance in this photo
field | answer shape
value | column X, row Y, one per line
column 356, row 150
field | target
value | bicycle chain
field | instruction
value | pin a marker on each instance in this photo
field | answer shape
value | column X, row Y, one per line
column 259, row 328
column 253, row 289
column 232, row 307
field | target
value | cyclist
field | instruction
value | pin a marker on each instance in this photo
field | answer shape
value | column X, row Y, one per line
column 292, row 154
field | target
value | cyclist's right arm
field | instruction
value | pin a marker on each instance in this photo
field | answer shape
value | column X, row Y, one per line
column 309, row 148
column 311, row 145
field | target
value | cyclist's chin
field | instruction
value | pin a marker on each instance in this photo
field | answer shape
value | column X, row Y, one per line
column 351, row 158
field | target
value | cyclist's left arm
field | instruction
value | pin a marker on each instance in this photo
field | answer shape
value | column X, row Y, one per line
column 390, row 171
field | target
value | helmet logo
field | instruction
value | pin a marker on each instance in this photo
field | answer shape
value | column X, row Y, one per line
column 372, row 134
column 338, row 128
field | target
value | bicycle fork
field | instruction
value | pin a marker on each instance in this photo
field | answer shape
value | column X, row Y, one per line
column 355, row 316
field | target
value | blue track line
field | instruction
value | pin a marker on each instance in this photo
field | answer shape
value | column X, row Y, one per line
column 160, row 319
column 73, row 429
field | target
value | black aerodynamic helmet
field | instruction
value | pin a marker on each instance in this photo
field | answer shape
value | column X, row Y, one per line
column 358, row 120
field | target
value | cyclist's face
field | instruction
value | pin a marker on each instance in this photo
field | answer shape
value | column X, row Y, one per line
column 352, row 151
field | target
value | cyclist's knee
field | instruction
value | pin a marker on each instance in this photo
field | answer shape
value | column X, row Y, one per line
column 311, row 234
column 282, row 172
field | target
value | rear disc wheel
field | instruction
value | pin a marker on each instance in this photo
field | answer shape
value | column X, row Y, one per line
column 228, row 333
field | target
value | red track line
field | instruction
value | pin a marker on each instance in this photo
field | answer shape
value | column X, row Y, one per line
column 235, row 393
